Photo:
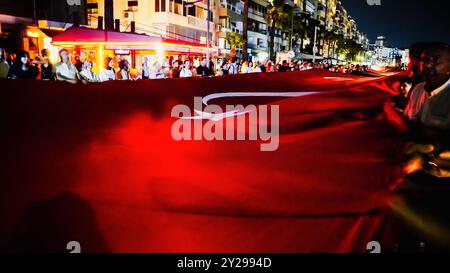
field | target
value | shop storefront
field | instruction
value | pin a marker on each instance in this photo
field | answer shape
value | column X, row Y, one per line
column 98, row 44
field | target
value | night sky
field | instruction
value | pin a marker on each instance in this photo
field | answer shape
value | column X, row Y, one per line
column 402, row 22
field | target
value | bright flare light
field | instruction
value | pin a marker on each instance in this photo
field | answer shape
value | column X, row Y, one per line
column 160, row 53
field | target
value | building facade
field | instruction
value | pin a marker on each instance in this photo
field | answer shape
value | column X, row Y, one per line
column 174, row 19
column 167, row 18
column 231, row 20
column 382, row 54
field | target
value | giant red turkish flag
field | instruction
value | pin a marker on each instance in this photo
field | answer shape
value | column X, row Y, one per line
column 97, row 164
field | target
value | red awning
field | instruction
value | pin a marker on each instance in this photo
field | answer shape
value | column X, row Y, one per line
column 124, row 40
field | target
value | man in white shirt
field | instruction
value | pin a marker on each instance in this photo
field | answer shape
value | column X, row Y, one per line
column 431, row 105
column 233, row 66
column 435, row 67
column 65, row 70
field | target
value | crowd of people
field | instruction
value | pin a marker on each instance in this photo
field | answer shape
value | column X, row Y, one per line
column 73, row 68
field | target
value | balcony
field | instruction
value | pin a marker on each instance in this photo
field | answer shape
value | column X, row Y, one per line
column 255, row 12
column 196, row 22
column 260, row 31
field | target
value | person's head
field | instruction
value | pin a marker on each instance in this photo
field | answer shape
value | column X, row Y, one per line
column 176, row 64
column 87, row 65
column 204, row 62
column 123, row 64
column 250, row 64
column 64, row 55
column 22, row 58
column 187, row 64
column 109, row 63
column 284, row 62
column 435, row 65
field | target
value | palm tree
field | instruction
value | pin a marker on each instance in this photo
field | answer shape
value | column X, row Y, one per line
column 244, row 29
column 349, row 48
column 330, row 38
column 276, row 17
column 353, row 49
column 235, row 40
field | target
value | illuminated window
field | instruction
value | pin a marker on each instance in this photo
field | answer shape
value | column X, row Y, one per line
column 224, row 22
column 178, row 7
column 132, row 5
column 92, row 11
column 200, row 12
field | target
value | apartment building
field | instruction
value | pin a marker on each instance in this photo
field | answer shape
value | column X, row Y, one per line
column 230, row 20
column 167, row 18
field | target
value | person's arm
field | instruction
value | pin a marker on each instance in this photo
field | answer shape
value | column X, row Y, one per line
column 61, row 77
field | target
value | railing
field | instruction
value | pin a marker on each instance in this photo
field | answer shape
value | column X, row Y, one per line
column 261, row 31
column 255, row 12
column 194, row 21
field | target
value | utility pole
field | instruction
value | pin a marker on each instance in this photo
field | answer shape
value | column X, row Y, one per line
column 34, row 12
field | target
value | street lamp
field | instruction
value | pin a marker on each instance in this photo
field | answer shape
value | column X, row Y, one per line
column 314, row 44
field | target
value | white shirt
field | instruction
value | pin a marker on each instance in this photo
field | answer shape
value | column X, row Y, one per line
column 107, row 75
column 184, row 73
column 65, row 71
column 145, row 72
column 416, row 101
column 89, row 76
column 441, row 88
column 436, row 108
column 233, row 69
column 256, row 69
column 123, row 75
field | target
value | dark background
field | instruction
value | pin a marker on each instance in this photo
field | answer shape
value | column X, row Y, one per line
column 403, row 22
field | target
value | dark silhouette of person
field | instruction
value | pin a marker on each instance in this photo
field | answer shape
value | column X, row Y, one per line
column 49, row 226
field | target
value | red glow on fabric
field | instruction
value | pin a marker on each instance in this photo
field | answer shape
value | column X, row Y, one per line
column 323, row 190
